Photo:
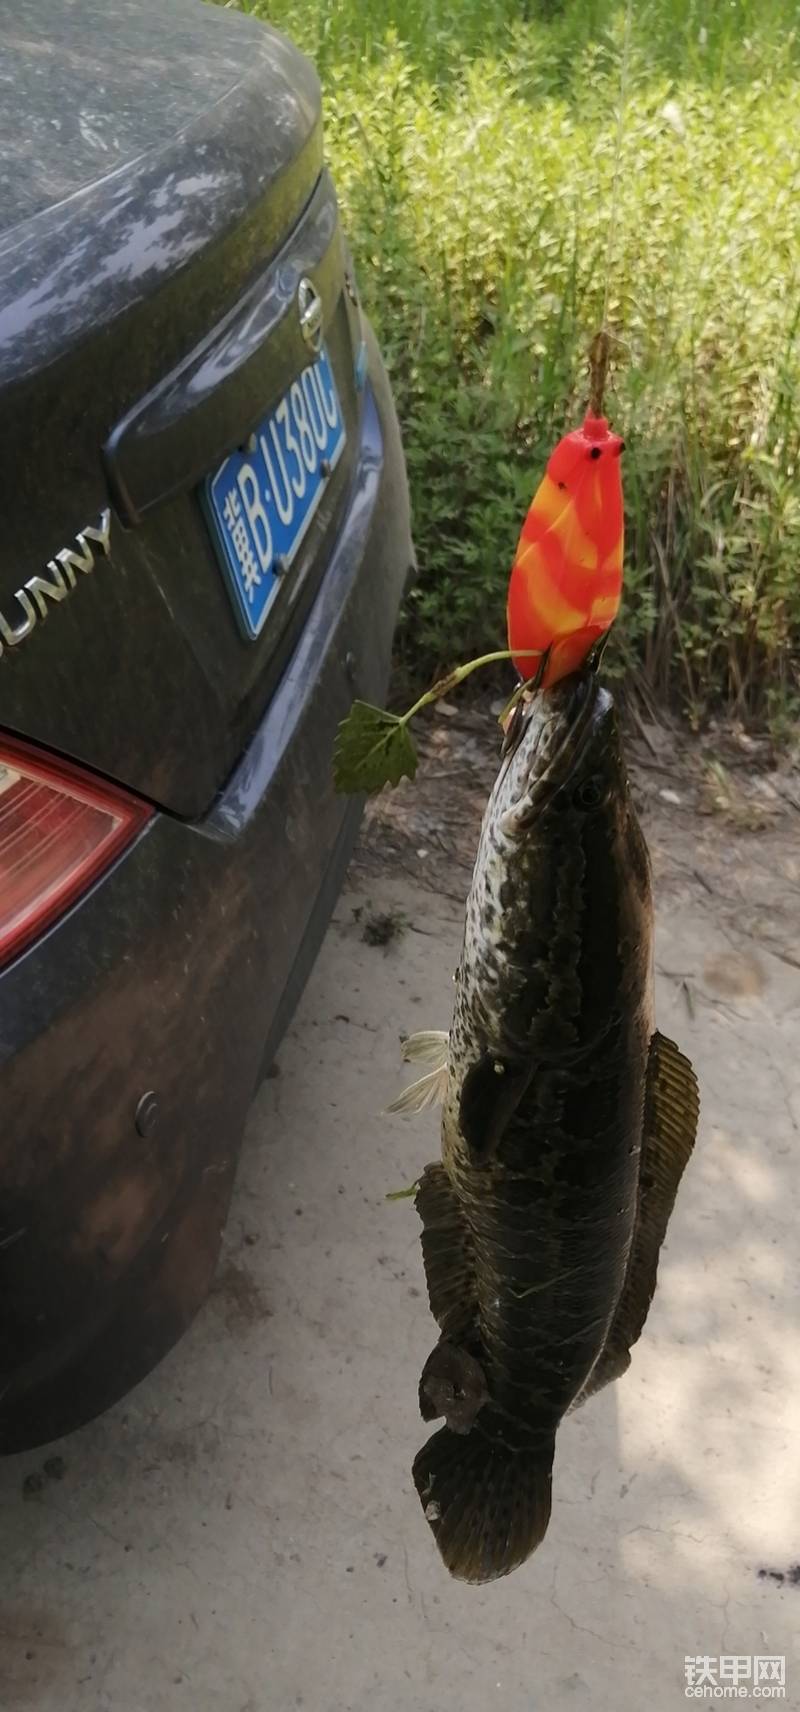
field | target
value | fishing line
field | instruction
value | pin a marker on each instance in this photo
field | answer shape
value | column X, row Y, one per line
column 600, row 348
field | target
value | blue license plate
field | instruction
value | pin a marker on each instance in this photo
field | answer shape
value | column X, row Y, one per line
column 261, row 501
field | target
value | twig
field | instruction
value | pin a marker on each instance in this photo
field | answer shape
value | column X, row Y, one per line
column 641, row 727
column 599, row 356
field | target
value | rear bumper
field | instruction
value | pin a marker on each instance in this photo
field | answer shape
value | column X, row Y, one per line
column 175, row 975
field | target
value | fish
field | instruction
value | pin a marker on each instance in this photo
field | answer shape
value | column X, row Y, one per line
column 566, row 578
column 567, row 1122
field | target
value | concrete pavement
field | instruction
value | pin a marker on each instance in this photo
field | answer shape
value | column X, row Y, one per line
column 242, row 1534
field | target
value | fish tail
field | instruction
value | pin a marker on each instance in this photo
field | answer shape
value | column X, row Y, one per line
column 487, row 1500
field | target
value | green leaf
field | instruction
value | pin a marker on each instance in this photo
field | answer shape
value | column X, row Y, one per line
column 402, row 1194
column 372, row 749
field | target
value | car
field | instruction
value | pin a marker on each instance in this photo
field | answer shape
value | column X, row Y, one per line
column 206, row 540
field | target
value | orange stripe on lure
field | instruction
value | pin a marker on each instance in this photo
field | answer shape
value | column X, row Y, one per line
column 566, row 579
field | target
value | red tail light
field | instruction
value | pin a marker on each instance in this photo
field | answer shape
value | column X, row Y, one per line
column 59, row 829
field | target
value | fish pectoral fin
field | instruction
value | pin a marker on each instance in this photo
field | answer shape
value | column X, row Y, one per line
column 446, row 1253
column 428, row 1090
column 429, row 1046
column 491, row 1092
column 671, row 1110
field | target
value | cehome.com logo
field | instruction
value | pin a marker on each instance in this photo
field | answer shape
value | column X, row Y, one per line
column 735, row 1676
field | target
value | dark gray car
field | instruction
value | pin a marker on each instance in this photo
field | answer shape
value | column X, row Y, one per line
column 205, row 540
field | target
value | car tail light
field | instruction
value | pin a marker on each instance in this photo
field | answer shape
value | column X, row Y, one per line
column 59, row 829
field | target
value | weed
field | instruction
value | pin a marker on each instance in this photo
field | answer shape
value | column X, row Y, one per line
column 473, row 145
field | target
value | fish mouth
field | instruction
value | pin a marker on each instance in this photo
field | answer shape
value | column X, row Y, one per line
column 551, row 742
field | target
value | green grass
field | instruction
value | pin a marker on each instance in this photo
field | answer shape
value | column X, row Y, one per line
column 474, row 148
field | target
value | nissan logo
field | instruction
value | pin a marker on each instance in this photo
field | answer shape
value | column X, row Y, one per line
column 309, row 308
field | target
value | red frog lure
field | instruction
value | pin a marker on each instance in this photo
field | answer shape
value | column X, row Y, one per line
column 566, row 579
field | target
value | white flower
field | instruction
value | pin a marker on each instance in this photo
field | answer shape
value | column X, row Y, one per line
column 674, row 117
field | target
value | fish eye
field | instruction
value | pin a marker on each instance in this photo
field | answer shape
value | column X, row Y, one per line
column 596, row 452
column 589, row 793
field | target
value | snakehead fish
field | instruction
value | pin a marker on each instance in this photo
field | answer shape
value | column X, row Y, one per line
column 567, row 1123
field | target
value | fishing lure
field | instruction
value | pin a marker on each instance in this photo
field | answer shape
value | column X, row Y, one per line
column 566, row 579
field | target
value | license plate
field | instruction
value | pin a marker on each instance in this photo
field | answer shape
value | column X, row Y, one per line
column 260, row 501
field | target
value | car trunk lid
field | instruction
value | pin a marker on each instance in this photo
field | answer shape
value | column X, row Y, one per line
column 152, row 243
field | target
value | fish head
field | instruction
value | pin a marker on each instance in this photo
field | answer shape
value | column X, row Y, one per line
column 560, row 924
column 565, row 760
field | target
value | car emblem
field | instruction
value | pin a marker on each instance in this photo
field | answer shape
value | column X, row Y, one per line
column 309, row 308
column 34, row 596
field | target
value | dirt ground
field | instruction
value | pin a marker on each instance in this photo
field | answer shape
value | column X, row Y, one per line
column 242, row 1535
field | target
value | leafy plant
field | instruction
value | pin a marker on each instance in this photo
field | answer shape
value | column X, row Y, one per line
column 374, row 748
column 474, row 150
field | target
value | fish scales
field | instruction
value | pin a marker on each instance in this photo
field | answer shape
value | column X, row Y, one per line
column 534, row 1218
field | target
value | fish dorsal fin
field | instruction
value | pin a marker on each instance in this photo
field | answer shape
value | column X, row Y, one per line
column 429, row 1046
column 671, row 1110
column 446, row 1253
column 490, row 1095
